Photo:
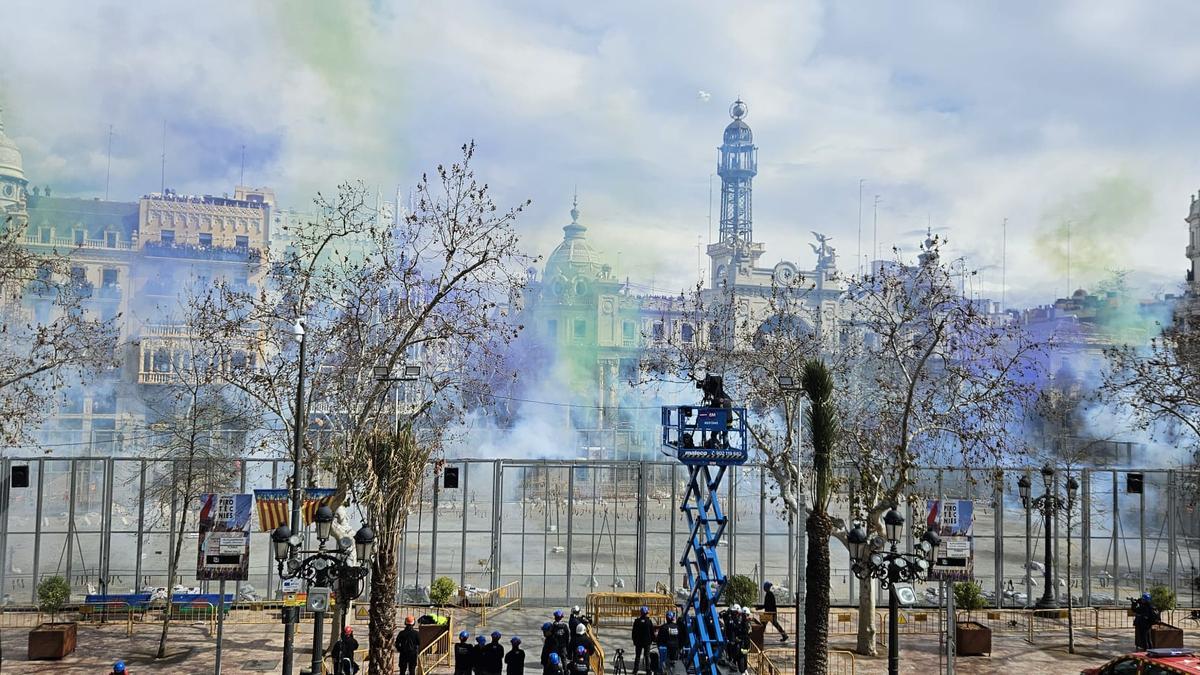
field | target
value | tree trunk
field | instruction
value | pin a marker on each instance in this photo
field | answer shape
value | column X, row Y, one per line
column 867, row 593
column 383, row 603
column 172, row 570
column 816, row 609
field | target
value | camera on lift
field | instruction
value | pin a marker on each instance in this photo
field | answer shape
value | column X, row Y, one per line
column 713, row 388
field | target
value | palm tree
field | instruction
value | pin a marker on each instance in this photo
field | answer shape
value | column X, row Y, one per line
column 823, row 427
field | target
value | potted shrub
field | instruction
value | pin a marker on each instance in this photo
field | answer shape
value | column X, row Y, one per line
column 441, row 591
column 1164, row 634
column 970, row 637
column 52, row 640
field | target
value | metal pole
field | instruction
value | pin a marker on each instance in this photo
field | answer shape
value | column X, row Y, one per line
column 1172, row 545
column 220, row 623
column 1028, row 556
column 1048, row 600
column 1142, row 535
column 893, row 629
column 802, row 531
column 289, row 627
column 317, row 647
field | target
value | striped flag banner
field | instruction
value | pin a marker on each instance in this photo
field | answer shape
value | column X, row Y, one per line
column 272, row 508
column 314, row 498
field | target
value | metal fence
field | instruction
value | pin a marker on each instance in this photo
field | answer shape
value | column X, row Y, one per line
column 566, row 528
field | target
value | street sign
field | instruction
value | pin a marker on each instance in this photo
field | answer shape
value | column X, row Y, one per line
column 290, row 585
column 224, row 539
column 953, row 520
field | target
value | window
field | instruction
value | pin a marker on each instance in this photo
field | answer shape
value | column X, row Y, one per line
column 78, row 275
column 1123, row 666
column 45, row 235
column 242, row 241
column 552, row 328
column 110, row 239
column 628, row 331
column 206, row 239
column 687, row 333
column 79, row 235
column 167, row 237
column 108, row 278
column 659, row 331
column 580, row 328
column 1156, row 669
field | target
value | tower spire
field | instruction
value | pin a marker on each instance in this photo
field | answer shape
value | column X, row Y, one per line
column 737, row 164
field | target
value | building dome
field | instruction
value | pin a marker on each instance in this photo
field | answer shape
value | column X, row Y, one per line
column 575, row 256
column 738, row 131
column 10, row 156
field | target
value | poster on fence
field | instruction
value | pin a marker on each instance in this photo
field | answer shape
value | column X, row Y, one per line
column 224, row 543
column 953, row 520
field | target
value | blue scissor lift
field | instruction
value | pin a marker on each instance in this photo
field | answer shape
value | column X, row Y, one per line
column 707, row 439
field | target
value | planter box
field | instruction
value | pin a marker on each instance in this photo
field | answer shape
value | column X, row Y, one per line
column 1166, row 635
column 972, row 638
column 51, row 640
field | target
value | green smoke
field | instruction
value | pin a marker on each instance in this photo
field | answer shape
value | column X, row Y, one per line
column 1091, row 229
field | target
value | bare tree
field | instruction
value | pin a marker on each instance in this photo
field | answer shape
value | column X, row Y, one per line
column 200, row 431
column 48, row 340
column 936, row 381
column 429, row 288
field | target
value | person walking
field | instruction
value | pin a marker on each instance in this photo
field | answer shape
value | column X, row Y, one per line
column 642, row 635
column 408, row 646
column 343, row 653
column 771, row 611
column 464, row 655
column 514, row 660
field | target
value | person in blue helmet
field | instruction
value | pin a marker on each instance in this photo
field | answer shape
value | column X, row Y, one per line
column 670, row 638
column 493, row 655
column 547, row 644
column 580, row 663
column 119, row 668
column 464, row 655
column 514, row 660
column 642, row 635
column 1144, row 617
column 479, row 656
column 560, row 635
column 771, row 609
column 553, row 665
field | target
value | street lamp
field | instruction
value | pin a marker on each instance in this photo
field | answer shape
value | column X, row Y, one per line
column 871, row 560
column 324, row 568
column 290, row 616
column 789, row 385
column 1047, row 504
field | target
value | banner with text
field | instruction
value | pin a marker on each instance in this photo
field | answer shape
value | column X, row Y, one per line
column 953, row 520
column 224, row 545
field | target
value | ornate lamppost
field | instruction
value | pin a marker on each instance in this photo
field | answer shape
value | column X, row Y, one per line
column 323, row 568
column 1047, row 504
column 883, row 561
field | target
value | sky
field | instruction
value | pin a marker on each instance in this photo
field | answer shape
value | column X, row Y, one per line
column 957, row 115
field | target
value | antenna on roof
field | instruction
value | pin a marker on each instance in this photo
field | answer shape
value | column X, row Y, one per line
column 162, row 178
column 108, row 163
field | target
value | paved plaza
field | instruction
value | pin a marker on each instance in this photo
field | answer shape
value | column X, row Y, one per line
column 255, row 648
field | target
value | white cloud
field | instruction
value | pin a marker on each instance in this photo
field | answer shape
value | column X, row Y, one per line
column 958, row 114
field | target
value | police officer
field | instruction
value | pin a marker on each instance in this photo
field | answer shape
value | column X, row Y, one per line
column 464, row 655
column 560, row 636
column 771, row 608
column 741, row 651
column 642, row 635
column 579, row 664
column 514, row 660
column 669, row 640
column 553, row 665
column 731, row 620
column 493, row 655
column 1144, row 617
column 408, row 646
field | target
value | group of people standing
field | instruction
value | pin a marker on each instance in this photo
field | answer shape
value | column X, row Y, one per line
column 567, row 647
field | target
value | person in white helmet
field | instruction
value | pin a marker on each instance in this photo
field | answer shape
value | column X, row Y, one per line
column 581, row 638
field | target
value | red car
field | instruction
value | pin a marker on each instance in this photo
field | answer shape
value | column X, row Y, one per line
column 1164, row 661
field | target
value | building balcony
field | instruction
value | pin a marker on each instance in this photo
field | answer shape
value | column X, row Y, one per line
column 195, row 252
column 154, row 378
column 66, row 243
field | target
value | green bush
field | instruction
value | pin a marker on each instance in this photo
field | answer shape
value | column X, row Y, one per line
column 1162, row 598
column 442, row 589
column 53, row 593
column 968, row 597
column 741, row 590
